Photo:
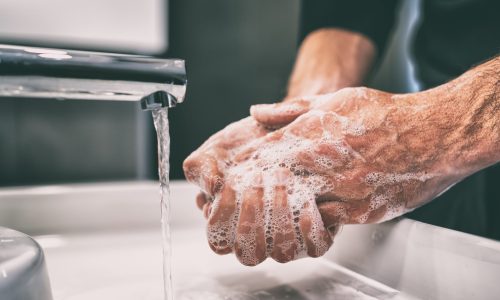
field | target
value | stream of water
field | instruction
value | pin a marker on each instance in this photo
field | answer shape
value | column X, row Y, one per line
column 160, row 117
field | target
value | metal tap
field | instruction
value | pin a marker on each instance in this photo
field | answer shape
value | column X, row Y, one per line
column 28, row 72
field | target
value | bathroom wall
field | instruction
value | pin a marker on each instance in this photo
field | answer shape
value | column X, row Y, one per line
column 50, row 141
column 136, row 26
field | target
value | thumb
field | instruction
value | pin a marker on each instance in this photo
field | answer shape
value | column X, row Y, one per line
column 333, row 216
column 279, row 114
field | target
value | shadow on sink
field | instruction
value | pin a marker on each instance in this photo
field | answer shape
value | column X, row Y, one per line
column 335, row 285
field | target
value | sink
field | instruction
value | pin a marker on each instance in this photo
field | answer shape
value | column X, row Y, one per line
column 103, row 241
column 23, row 273
column 128, row 266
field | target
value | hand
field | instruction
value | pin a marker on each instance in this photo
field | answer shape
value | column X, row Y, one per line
column 206, row 166
column 209, row 168
column 363, row 155
column 355, row 156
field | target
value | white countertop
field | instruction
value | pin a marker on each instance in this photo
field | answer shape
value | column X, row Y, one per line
column 103, row 241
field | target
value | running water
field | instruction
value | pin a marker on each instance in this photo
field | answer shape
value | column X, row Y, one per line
column 160, row 118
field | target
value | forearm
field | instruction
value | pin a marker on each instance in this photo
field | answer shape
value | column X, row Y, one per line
column 480, row 125
column 467, row 112
column 328, row 60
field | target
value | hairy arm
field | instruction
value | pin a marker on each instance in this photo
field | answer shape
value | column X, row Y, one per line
column 443, row 134
column 330, row 59
column 465, row 116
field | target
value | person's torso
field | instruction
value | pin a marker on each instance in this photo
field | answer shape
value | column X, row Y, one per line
column 455, row 35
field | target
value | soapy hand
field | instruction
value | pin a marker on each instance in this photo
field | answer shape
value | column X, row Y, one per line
column 365, row 156
column 212, row 168
column 354, row 156
column 206, row 166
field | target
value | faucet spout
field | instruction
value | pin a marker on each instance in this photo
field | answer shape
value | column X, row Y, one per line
column 27, row 72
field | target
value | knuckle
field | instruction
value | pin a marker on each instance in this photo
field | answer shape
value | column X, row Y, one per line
column 282, row 259
column 249, row 261
column 318, row 251
column 200, row 200
column 218, row 244
column 214, row 183
column 248, row 253
column 219, row 250
column 191, row 167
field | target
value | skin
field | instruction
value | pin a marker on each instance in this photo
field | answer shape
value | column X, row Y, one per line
column 330, row 59
column 280, row 183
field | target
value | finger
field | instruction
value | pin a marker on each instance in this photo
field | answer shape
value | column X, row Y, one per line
column 282, row 241
column 244, row 154
column 333, row 214
column 250, row 245
column 207, row 209
column 279, row 114
column 240, row 133
column 315, row 236
column 336, row 213
column 222, row 216
column 377, row 215
column 202, row 169
column 201, row 199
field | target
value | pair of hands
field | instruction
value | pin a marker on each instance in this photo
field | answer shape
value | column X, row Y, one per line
column 281, row 182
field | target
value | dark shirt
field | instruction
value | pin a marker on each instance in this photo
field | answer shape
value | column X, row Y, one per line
column 453, row 36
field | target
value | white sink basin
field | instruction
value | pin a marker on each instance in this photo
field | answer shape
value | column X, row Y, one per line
column 103, row 241
column 128, row 266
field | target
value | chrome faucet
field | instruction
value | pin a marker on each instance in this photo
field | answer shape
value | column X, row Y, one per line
column 27, row 72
